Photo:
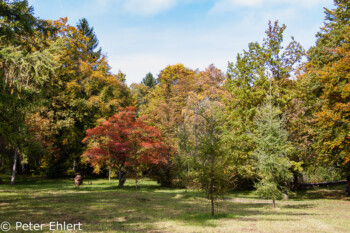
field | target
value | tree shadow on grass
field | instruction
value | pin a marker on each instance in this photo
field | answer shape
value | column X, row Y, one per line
column 205, row 219
column 238, row 211
column 106, row 208
column 299, row 206
column 333, row 193
column 23, row 183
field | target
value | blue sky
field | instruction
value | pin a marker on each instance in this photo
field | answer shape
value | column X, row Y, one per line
column 141, row 36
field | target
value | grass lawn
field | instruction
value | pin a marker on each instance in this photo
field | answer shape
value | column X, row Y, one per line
column 102, row 207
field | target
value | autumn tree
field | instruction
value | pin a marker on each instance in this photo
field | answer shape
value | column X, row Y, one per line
column 28, row 60
column 326, row 84
column 169, row 97
column 140, row 94
column 165, row 104
column 248, row 83
column 82, row 91
column 207, row 84
column 140, row 91
column 126, row 143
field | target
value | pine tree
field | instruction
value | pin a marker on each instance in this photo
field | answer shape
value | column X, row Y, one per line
column 92, row 43
column 272, row 148
column 149, row 80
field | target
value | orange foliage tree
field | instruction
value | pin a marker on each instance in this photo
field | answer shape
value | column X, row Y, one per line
column 126, row 143
column 327, row 75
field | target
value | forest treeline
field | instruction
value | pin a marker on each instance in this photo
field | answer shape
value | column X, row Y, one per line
column 279, row 115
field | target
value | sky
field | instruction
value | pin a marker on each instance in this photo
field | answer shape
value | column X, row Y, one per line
column 141, row 36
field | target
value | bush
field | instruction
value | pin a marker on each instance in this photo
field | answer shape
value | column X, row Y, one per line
column 321, row 174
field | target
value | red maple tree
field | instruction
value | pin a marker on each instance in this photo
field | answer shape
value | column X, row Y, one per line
column 126, row 143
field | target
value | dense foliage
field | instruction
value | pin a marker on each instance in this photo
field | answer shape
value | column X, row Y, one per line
column 272, row 150
column 278, row 113
column 125, row 143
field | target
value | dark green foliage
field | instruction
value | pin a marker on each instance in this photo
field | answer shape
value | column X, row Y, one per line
column 149, row 80
column 92, row 43
column 18, row 22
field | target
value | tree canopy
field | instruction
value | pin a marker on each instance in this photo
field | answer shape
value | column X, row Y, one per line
column 279, row 112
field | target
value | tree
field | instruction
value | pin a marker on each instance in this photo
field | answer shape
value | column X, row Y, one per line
column 272, row 149
column 149, row 80
column 125, row 143
column 82, row 91
column 167, row 99
column 92, row 41
column 140, row 94
column 28, row 60
column 326, row 84
column 203, row 145
column 248, row 83
column 178, row 87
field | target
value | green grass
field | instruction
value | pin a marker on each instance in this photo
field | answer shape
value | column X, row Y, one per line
column 102, row 207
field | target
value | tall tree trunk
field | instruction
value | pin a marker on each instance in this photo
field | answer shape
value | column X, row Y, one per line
column 273, row 202
column 14, row 167
column 212, row 206
column 109, row 176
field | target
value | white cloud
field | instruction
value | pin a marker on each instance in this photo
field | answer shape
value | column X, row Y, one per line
column 148, row 7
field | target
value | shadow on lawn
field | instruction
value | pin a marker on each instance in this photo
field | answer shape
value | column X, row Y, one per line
column 299, row 206
column 120, row 211
column 104, row 207
column 333, row 193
